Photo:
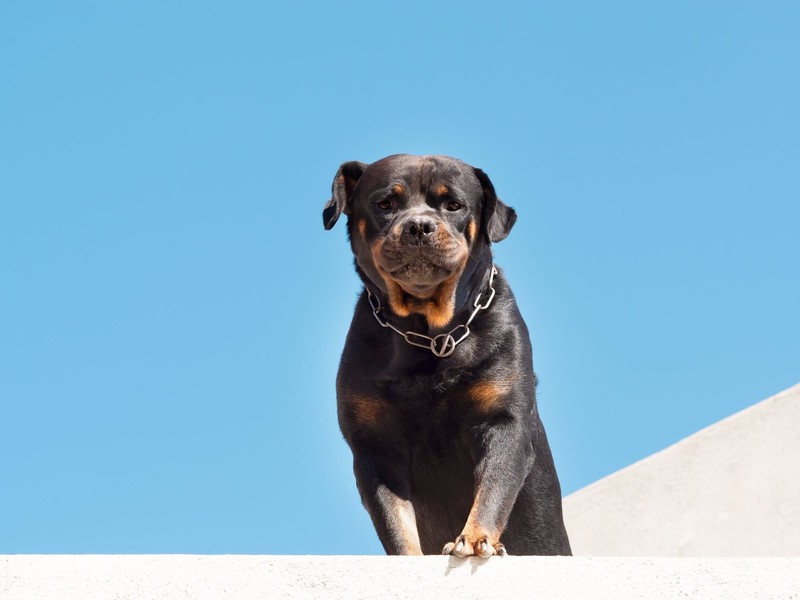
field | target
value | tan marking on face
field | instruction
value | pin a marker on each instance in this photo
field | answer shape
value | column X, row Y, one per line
column 439, row 308
column 472, row 230
column 395, row 292
column 488, row 392
column 362, row 228
column 442, row 190
column 398, row 189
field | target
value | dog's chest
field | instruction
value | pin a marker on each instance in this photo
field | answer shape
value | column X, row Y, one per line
column 432, row 412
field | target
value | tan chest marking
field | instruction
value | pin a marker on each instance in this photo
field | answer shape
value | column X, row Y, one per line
column 488, row 392
column 366, row 410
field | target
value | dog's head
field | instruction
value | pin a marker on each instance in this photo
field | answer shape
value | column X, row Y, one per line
column 414, row 224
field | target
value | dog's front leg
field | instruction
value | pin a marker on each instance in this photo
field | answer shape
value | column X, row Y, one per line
column 504, row 458
column 384, row 493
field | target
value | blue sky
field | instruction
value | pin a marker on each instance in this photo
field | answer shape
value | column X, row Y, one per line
column 172, row 312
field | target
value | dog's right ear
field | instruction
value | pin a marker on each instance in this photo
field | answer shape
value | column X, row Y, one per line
column 498, row 218
column 343, row 185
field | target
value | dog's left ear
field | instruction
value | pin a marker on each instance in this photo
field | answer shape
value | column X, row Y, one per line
column 498, row 218
column 343, row 185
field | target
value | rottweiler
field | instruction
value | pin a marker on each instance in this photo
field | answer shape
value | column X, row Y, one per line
column 436, row 390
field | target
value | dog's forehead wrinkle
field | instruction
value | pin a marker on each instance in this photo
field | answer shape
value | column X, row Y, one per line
column 420, row 172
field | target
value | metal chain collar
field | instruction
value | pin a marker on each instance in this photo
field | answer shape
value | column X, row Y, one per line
column 444, row 344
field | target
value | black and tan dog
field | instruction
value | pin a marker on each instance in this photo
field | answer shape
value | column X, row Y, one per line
column 436, row 390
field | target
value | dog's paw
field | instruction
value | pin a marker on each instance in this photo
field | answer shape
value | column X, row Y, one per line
column 480, row 546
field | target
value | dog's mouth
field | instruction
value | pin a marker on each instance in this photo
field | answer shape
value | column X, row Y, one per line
column 418, row 275
column 421, row 279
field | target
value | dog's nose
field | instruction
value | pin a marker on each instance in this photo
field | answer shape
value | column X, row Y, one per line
column 419, row 228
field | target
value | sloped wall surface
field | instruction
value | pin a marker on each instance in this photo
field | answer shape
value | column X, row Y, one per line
column 732, row 489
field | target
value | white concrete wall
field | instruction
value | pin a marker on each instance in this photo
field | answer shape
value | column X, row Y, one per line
column 256, row 577
column 732, row 489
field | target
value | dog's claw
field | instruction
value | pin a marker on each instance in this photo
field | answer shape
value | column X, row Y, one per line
column 462, row 547
column 484, row 549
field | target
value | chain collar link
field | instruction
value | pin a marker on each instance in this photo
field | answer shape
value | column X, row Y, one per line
column 444, row 344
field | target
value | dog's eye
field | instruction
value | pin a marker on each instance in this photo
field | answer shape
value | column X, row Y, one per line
column 385, row 204
column 452, row 205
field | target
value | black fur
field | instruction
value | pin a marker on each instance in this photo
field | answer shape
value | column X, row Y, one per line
column 448, row 452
